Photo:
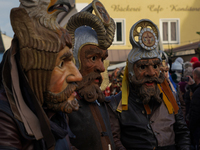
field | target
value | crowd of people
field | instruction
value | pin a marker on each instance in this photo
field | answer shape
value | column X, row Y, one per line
column 185, row 78
column 50, row 87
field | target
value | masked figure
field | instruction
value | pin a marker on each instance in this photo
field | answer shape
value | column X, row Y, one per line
column 145, row 115
column 91, row 35
column 37, row 79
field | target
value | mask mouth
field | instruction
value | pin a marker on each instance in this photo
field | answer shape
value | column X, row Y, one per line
column 98, row 80
column 149, row 83
column 63, row 95
column 62, row 7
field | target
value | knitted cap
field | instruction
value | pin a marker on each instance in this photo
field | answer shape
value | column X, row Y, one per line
column 196, row 64
column 194, row 59
column 180, row 60
column 177, row 65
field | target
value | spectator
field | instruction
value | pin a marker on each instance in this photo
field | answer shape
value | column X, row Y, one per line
column 194, row 109
column 187, row 64
column 177, row 66
column 183, row 95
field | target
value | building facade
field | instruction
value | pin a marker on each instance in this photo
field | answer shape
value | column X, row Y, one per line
column 177, row 20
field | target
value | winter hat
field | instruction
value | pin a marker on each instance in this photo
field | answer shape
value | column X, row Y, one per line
column 196, row 64
column 187, row 64
column 177, row 65
column 194, row 59
column 188, row 71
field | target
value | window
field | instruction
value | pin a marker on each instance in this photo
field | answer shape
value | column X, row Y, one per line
column 119, row 38
column 170, row 31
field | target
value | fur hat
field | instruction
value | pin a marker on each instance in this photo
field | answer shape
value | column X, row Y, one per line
column 188, row 71
column 187, row 64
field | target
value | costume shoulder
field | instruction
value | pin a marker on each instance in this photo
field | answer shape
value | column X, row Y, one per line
column 113, row 101
column 10, row 122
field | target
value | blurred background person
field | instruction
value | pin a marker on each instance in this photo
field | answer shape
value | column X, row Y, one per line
column 194, row 109
column 183, row 89
column 177, row 66
column 116, row 81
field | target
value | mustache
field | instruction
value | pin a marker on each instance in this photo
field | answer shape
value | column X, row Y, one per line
column 158, row 80
column 60, row 97
column 70, row 89
column 89, row 79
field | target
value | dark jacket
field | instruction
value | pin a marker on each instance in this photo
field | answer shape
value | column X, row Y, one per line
column 14, row 136
column 195, row 109
column 134, row 129
column 91, row 126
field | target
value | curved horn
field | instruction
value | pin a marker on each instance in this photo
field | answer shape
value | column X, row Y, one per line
column 110, row 32
column 105, row 34
column 86, row 18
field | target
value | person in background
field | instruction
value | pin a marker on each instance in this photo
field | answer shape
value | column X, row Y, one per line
column 183, row 89
column 116, row 81
column 177, row 66
column 165, row 70
column 194, row 111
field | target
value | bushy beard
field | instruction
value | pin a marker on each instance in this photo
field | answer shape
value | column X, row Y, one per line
column 89, row 90
column 60, row 101
column 147, row 93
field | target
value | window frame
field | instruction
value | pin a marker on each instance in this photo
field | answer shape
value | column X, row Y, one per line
column 115, row 42
column 169, row 20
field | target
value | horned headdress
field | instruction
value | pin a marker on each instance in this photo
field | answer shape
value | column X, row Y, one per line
column 87, row 28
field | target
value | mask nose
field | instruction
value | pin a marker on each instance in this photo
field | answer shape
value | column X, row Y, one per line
column 100, row 67
column 74, row 75
column 150, row 71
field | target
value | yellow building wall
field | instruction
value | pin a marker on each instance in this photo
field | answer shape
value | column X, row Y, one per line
column 188, row 11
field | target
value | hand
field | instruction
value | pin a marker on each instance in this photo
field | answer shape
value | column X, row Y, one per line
column 191, row 81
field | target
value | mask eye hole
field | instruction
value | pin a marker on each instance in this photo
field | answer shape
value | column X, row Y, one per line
column 93, row 58
column 61, row 64
column 142, row 67
column 155, row 66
